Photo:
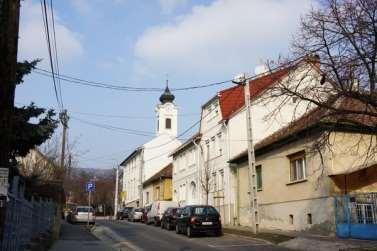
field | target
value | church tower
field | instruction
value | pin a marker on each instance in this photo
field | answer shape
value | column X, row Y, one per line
column 167, row 114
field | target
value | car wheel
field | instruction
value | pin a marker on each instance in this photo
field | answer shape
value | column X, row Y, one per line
column 177, row 229
column 189, row 232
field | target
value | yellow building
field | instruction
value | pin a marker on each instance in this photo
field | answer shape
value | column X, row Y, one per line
column 159, row 186
column 297, row 178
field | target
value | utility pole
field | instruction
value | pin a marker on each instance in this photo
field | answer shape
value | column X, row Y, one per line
column 242, row 80
column 9, row 26
column 116, row 191
column 64, row 120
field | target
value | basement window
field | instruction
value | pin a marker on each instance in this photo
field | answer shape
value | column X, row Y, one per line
column 291, row 219
column 309, row 219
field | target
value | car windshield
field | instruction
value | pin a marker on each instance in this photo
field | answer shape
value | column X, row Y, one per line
column 138, row 210
column 204, row 210
column 84, row 209
column 127, row 209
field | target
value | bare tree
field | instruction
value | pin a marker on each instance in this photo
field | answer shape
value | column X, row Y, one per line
column 205, row 175
column 332, row 67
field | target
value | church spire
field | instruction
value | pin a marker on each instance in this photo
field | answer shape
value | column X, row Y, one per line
column 167, row 96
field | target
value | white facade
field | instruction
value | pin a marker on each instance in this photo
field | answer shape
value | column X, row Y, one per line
column 186, row 184
column 225, row 138
column 151, row 157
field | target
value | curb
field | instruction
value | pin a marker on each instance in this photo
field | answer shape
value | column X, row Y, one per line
column 112, row 239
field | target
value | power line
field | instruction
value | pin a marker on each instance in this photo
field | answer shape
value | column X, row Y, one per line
column 55, row 48
column 112, row 86
column 48, row 41
column 115, row 128
column 128, row 116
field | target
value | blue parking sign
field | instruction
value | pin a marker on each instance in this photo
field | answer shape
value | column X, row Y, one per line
column 90, row 186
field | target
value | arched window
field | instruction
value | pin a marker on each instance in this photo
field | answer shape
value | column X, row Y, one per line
column 168, row 123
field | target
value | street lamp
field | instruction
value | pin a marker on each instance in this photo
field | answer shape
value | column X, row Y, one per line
column 116, row 191
column 245, row 82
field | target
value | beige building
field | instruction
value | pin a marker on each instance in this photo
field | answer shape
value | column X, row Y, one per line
column 296, row 182
column 159, row 186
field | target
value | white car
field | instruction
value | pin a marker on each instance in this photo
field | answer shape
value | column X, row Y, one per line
column 135, row 214
column 157, row 210
column 83, row 214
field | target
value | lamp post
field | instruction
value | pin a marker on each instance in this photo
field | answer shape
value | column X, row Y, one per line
column 245, row 82
column 116, row 191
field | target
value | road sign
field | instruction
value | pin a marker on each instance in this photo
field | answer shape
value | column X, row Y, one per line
column 90, row 186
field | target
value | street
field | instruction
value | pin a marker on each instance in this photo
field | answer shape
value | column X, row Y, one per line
column 146, row 237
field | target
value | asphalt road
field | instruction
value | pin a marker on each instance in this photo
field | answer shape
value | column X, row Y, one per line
column 145, row 237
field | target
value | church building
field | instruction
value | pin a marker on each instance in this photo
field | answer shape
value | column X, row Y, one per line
column 147, row 160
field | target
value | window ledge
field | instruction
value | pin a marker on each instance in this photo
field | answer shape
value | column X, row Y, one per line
column 259, row 190
column 296, row 181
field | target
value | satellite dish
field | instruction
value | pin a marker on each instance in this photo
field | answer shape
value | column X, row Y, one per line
column 239, row 78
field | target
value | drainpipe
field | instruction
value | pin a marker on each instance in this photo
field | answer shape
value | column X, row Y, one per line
column 141, row 202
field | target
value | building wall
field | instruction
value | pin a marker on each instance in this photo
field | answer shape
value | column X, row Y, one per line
column 213, row 154
column 269, row 115
column 186, row 186
column 132, row 179
column 157, row 154
column 287, row 205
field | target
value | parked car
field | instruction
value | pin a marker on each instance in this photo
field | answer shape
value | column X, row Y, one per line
column 198, row 219
column 169, row 218
column 145, row 214
column 123, row 213
column 135, row 214
column 157, row 209
column 82, row 214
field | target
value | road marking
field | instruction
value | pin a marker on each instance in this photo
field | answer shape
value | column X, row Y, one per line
column 236, row 245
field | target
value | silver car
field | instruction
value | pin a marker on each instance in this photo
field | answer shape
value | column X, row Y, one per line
column 83, row 214
column 136, row 214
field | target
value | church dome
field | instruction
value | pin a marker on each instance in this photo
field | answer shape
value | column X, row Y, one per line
column 167, row 96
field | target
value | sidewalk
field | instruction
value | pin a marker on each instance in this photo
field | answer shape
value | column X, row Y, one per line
column 305, row 241
column 78, row 238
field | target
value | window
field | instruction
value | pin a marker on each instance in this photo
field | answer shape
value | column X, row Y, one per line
column 219, row 148
column 291, row 219
column 298, row 166
column 147, row 197
column 168, row 123
column 258, row 170
column 214, row 181
column 365, row 213
column 309, row 219
column 221, row 181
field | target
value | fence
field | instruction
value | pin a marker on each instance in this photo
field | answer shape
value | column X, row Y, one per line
column 356, row 216
column 25, row 220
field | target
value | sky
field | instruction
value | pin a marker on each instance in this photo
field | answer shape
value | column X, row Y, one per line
column 142, row 43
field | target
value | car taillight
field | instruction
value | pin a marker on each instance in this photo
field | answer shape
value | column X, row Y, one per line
column 193, row 220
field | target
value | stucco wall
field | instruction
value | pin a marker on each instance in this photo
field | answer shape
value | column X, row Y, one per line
column 280, row 198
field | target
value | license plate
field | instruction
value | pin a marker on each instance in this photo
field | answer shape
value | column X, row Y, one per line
column 207, row 223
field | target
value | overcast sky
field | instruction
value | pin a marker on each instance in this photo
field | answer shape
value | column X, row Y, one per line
column 139, row 42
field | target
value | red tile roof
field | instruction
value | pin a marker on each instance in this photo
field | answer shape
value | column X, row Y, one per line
column 232, row 99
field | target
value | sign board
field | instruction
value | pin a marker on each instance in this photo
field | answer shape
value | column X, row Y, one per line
column 90, row 186
column 4, row 173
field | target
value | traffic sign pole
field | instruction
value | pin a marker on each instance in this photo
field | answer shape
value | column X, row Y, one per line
column 89, row 197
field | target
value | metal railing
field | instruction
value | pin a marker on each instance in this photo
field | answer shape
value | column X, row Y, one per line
column 25, row 220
